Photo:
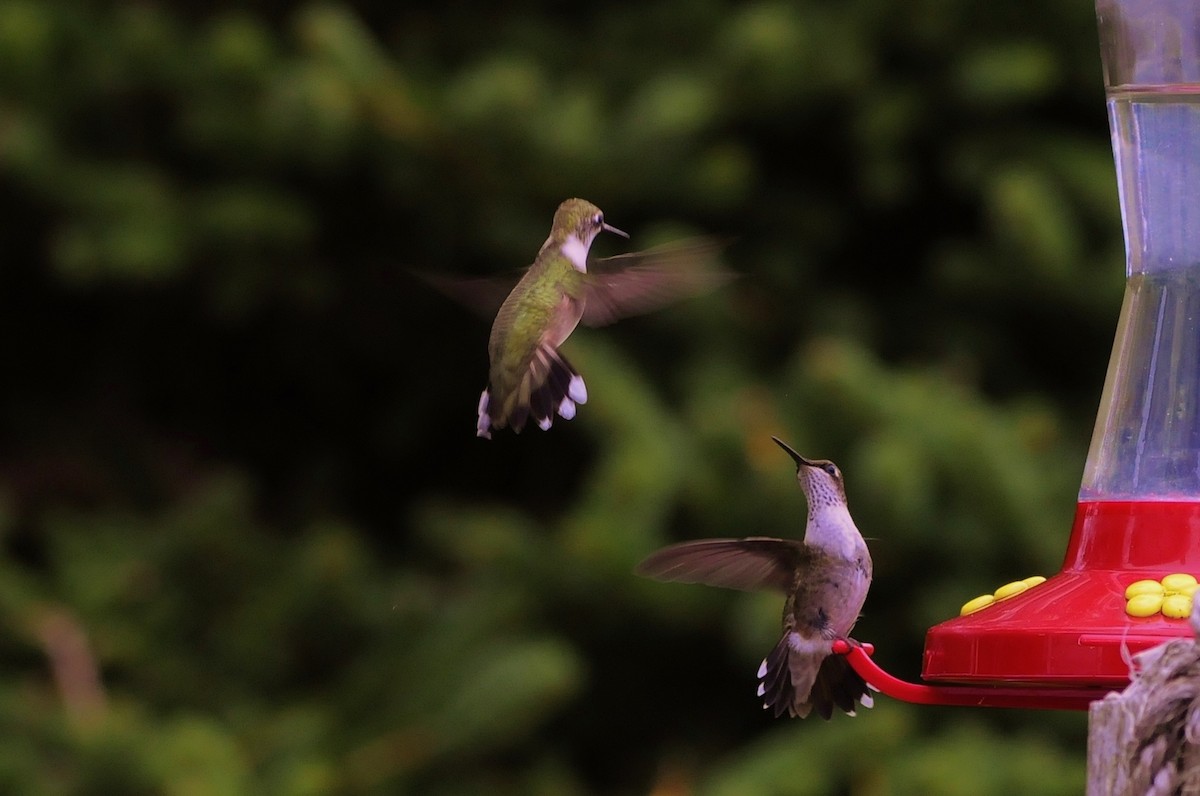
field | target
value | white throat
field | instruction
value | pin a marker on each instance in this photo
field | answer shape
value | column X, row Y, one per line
column 576, row 251
column 831, row 529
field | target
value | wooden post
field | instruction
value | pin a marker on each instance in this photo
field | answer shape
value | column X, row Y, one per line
column 1146, row 739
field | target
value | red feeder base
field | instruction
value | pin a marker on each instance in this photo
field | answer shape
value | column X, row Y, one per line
column 1072, row 630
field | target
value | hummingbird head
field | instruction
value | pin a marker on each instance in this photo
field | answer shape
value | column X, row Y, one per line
column 820, row 479
column 582, row 219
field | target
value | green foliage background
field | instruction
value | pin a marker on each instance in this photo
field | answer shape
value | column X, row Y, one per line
column 250, row 542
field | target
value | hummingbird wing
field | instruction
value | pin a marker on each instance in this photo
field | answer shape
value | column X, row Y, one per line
column 755, row 563
column 638, row 282
column 482, row 295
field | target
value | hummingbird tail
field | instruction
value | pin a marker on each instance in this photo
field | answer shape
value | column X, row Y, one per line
column 551, row 385
column 558, row 390
column 799, row 675
column 838, row 685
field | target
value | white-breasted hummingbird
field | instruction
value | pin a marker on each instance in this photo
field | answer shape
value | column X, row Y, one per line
column 825, row 579
column 528, row 376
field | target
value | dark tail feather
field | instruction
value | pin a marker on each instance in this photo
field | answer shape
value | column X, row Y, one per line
column 561, row 388
column 518, row 417
column 835, row 684
column 838, row 685
column 558, row 379
column 775, row 680
column 540, row 408
column 492, row 416
column 551, row 386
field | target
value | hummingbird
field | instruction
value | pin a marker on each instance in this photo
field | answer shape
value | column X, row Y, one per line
column 528, row 375
column 825, row 579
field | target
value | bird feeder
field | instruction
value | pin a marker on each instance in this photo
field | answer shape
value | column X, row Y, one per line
column 1068, row 640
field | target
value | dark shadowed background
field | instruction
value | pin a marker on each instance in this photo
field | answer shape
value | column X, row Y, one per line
column 250, row 541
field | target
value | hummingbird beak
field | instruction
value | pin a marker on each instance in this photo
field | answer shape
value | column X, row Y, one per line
column 797, row 458
column 614, row 230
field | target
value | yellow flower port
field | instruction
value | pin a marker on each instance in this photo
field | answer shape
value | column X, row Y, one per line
column 1172, row 596
column 1003, row 593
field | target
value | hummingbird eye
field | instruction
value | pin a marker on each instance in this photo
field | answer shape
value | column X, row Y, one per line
column 831, row 468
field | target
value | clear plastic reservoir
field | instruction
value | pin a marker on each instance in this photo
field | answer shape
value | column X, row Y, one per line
column 1139, row 507
column 1146, row 444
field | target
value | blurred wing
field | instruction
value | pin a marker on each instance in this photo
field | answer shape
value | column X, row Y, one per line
column 482, row 295
column 630, row 284
column 752, row 564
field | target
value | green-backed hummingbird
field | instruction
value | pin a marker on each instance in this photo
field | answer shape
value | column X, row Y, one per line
column 529, row 377
column 825, row 580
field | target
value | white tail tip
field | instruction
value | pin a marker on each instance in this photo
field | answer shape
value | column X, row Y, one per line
column 577, row 390
column 483, row 428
